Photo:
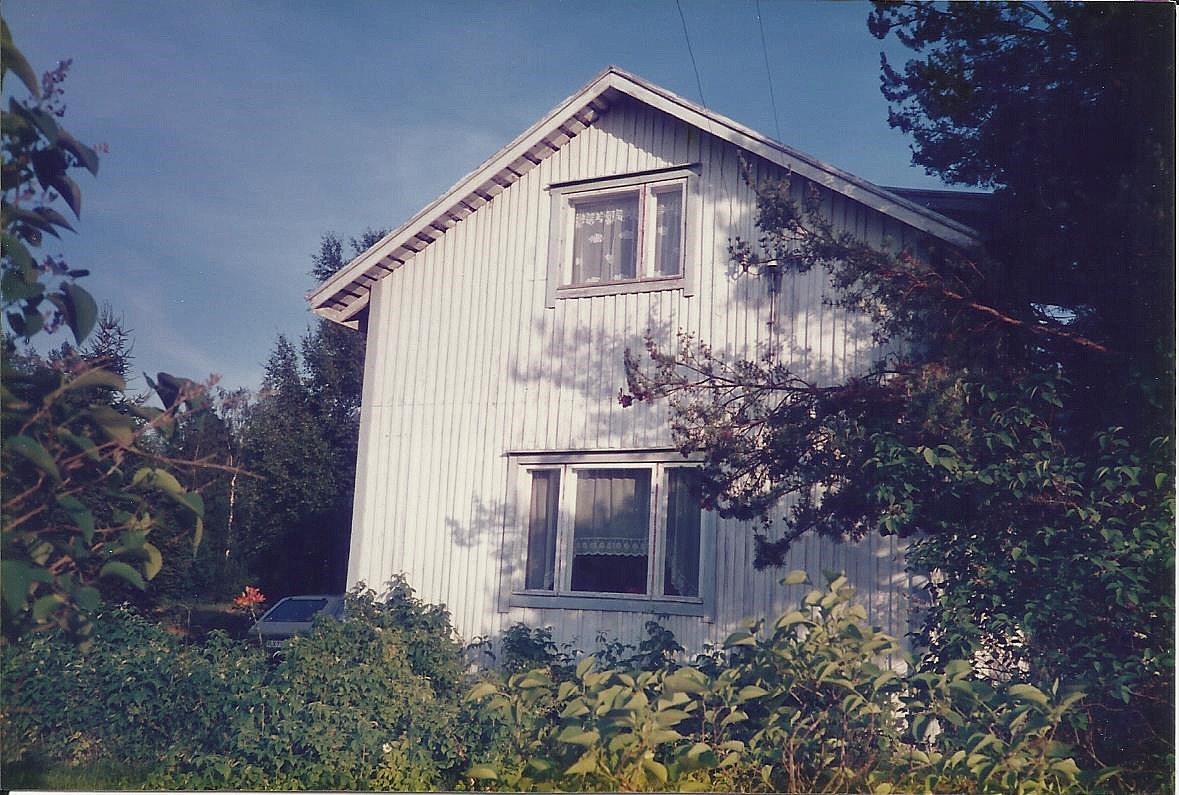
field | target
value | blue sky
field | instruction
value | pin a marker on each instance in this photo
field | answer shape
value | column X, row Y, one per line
column 240, row 132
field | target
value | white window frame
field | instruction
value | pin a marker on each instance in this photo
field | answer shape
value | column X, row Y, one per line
column 562, row 596
column 565, row 197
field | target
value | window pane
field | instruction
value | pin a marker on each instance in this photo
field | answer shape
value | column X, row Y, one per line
column 669, row 226
column 610, row 530
column 681, row 572
column 605, row 239
column 542, row 530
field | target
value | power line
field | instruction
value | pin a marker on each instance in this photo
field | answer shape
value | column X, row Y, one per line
column 766, row 56
column 688, row 41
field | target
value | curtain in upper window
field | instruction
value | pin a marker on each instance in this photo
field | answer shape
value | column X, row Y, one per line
column 669, row 224
column 605, row 239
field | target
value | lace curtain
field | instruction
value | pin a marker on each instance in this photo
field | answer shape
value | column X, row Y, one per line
column 605, row 239
column 613, row 512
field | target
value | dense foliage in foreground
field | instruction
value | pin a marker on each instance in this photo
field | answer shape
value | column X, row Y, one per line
column 809, row 701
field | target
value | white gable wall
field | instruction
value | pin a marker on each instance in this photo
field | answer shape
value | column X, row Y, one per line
column 465, row 363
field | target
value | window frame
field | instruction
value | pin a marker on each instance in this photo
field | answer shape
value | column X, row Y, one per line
column 514, row 594
column 648, row 184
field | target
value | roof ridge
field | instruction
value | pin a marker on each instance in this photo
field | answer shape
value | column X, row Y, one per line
column 346, row 292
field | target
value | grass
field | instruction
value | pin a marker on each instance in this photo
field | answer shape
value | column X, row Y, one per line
column 37, row 772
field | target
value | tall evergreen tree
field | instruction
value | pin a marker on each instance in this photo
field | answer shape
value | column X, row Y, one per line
column 1020, row 433
column 298, row 441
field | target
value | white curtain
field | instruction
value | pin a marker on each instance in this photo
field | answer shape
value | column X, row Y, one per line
column 613, row 512
column 605, row 238
column 542, row 530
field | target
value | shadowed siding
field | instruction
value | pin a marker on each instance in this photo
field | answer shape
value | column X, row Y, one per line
column 466, row 363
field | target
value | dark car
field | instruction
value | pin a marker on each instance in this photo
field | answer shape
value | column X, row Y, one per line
column 294, row 615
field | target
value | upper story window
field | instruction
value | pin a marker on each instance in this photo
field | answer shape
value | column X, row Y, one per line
column 622, row 234
column 610, row 532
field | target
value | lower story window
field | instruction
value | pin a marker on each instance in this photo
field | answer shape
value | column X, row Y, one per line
column 626, row 529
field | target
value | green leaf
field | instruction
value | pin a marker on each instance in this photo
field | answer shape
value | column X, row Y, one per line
column 15, row 579
column 12, row 60
column 1028, row 693
column 14, row 288
column 741, row 637
column 671, row 717
column 31, row 449
column 661, row 736
column 87, row 598
column 481, row 690
column 55, row 218
column 685, row 680
column 96, row 377
column 587, row 763
column 160, row 479
column 655, row 769
column 118, row 427
column 155, row 561
column 117, row 568
column 81, row 310
column 46, row 606
column 796, row 577
column 84, row 154
column 930, row 456
column 80, row 515
column 791, row 618
column 751, row 692
column 14, row 248
column 956, row 669
column 193, row 501
column 69, row 190
column 198, row 533
column 83, row 443
column 575, row 709
column 1067, row 766
column 481, row 771
column 575, row 736
column 736, row 716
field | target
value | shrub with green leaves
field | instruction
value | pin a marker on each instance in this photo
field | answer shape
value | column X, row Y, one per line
column 374, row 701
column 371, row 701
column 806, row 704
column 130, row 697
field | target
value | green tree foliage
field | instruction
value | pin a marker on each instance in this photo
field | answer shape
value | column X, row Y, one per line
column 1067, row 111
column 83, row 485
column 284, row 506
column 298, row 439
column 1019, row 433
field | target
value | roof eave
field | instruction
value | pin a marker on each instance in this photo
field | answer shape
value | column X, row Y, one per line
column 538, row 141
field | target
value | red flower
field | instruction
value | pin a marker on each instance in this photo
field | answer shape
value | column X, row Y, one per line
column 250, row 598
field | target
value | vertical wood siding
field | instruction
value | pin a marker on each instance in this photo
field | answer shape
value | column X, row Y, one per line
column 466, row 363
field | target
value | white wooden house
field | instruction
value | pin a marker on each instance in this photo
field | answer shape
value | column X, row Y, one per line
column 497, row 469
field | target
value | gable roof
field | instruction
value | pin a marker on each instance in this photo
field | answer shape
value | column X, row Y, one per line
column 342, row 297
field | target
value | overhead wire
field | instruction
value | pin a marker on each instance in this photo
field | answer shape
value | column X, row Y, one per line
column 769, row 76
column 688, row 41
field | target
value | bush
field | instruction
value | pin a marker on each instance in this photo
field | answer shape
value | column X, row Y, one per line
column 61, row 701
column 384, row 700
column 374, row 701
column 803, row 705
